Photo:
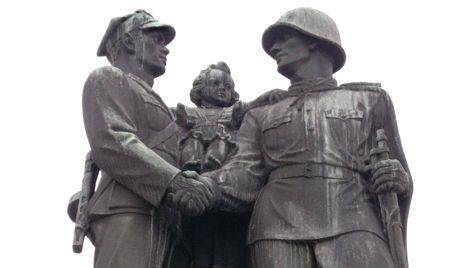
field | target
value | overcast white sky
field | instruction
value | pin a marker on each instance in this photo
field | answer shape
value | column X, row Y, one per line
column 49, row 47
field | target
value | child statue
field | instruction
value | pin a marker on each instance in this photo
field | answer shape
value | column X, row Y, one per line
column 209, row 130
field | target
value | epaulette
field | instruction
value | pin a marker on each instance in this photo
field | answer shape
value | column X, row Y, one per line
column 360, row 86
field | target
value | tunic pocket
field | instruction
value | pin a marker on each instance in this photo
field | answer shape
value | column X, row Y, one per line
column 344, row 114
column 345, row 126
column 276, row 132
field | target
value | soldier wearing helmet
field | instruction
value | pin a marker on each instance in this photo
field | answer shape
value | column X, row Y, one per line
column 302, row 162
column 133, row 141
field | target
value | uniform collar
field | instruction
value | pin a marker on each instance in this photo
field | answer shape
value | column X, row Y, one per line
column 317, row 84
column 140, row 81
column 301, row 90
column 149, row 90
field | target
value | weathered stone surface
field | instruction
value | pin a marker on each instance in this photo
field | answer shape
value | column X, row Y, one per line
column 318, row 168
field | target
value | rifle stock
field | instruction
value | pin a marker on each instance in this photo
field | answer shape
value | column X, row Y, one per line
column 87, row 190
column 389, row 208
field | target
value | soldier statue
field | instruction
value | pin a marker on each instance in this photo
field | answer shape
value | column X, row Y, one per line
column 303, row 163
column 133, row 140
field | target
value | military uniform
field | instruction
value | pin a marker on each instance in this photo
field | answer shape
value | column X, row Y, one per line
column 133, row 141
column 123, row 118
column 302, row 161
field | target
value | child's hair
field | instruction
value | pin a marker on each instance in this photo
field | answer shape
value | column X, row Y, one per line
column 199, row 83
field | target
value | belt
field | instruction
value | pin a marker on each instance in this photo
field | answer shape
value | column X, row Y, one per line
column 310, row 170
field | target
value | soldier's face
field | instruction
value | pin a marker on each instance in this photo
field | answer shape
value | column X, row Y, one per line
column 291, row 50
column 151, row 51
column 218, row 88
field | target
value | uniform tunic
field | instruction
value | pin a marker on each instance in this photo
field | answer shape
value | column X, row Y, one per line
column 125, row 122
column 301, row 163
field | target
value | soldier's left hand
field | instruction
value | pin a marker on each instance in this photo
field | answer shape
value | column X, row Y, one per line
column 389, row 176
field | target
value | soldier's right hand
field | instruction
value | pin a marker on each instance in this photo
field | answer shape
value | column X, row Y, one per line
column 189, row 196
column 216, row 195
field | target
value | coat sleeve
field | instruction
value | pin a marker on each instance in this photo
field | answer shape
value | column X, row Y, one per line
column 385, row 118
column 244, row 174
column 111, row 113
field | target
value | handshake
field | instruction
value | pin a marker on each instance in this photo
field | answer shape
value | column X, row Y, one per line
column 192, row 194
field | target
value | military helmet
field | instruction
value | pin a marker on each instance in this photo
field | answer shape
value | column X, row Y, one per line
column 312, row 23
column 139, row 20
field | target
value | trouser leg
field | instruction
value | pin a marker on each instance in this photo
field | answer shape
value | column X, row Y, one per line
column 122, row 240
column 128, row 240
column 356, row 249
column 281, row 254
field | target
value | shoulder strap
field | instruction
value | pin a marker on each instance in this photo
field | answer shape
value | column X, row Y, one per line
column 362, row 86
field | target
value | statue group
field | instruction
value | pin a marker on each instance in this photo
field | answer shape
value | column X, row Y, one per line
column 311, row 176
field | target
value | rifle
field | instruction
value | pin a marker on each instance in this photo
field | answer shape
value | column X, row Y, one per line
column 389, row 208
column 87, row 190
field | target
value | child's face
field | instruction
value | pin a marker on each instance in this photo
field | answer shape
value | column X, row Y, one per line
column 218, row 88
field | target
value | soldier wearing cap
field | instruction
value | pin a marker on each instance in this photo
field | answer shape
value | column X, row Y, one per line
column 302, row 162
column 133, row 141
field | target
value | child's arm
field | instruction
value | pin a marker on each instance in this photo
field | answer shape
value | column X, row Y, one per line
column 182, row 118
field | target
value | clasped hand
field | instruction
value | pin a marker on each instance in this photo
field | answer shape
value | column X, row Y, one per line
column 192, row 194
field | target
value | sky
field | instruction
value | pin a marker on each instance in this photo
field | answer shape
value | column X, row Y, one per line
column 48, row 48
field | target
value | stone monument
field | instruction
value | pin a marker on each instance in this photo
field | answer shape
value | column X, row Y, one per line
column 319, row 166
